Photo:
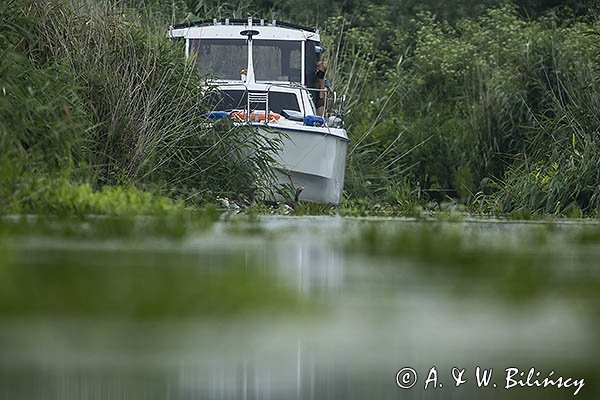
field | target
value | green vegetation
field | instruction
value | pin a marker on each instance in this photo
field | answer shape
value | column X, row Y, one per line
column 494, row 111
column 59, row 196
column 491, row 107
column 92, row 93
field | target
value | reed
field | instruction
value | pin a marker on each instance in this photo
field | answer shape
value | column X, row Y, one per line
column 495, row 111
column 93, row 88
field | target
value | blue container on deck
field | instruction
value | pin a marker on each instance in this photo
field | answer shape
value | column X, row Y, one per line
column 218, row 114
column 314, row 120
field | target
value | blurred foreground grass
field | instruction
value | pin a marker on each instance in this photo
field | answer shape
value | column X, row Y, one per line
column 174, row 224
column 507, row 261
column 142, row 285
column 128, row 267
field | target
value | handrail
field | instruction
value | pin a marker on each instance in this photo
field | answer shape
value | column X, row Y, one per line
column 268, row 90
column 235, row 21
column 270, row 84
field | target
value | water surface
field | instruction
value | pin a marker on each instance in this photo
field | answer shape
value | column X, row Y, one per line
column 299, row 308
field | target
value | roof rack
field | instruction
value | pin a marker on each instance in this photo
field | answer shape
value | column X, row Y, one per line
column 235, row 21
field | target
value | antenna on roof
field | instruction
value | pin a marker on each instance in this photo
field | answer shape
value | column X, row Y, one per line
column 249, row 33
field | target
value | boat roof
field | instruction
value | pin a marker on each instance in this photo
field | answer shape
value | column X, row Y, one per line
column 230, row 29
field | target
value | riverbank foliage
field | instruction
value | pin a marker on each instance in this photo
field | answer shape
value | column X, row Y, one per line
column 495, row 111
column 93, row 93
column 492, row 106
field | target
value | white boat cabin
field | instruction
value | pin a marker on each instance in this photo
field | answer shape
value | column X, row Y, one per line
column 275, row 59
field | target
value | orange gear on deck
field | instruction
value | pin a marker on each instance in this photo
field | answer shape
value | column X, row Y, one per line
column 255, row 116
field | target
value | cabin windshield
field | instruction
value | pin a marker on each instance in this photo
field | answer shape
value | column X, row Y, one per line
column 274, row 60
column 277, row 60
column 220, row 59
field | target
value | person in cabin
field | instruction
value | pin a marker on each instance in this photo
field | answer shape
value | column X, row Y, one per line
column 321, row 85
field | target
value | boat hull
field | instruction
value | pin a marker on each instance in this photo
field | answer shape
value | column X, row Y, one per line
column 314, row 159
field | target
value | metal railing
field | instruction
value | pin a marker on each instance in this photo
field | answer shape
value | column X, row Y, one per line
column 262, row 98
column 257, row 98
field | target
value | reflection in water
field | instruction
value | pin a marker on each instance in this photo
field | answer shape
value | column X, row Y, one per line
column 313, row 266
column 309, row 308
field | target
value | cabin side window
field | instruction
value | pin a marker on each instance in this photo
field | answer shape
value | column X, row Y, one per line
column 279, row 101
column 228, row 100
column 310, row 63
column 220, row 59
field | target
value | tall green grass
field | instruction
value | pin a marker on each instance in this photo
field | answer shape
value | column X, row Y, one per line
column 95, row 88
column 491, row 107
column 495, row 111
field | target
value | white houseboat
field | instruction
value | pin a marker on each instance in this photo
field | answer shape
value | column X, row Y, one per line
column 266, row 74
